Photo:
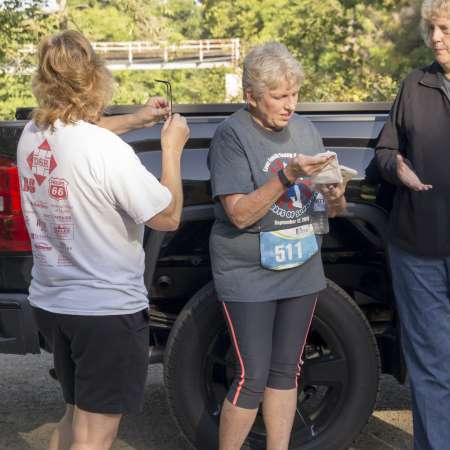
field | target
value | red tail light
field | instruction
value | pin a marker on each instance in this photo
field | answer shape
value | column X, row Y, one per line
column 13, row 232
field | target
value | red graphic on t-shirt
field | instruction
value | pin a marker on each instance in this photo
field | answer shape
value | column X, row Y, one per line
column 63, row 231
column 43, row 247
column 41, row 162
column 296, row 196
column 41, row 224
column 57, row 188
column 29, row 185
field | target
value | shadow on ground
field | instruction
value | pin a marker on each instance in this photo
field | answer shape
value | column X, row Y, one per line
column 31, row 403
column 390, row 426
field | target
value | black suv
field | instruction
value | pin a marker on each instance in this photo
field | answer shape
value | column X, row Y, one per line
column 354, row 333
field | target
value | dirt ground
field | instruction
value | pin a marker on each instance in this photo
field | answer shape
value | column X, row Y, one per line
column 30, row 404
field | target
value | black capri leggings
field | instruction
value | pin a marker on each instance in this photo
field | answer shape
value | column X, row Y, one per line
column 268, row 339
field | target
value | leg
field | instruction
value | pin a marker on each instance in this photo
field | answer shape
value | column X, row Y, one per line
column 62, row 435
column 279, row 408
column 93, row 431
column 110, row 354
column 250, row 326
column 292, row 321
column 101, row 363
column 235, row 424
column 421, row 287
column 50, row 326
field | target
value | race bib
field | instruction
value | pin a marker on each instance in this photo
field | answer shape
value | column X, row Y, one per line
column 284, row 249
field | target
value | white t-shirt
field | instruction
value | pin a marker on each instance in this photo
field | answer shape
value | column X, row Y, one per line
column 85, row 198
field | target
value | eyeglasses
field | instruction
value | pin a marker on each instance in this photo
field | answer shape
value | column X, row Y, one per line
column 168, row 91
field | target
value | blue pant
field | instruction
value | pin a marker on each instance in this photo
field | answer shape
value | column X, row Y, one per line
column 422, row 291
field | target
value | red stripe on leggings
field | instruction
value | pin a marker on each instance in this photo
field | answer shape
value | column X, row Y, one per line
column 241, row 382
column 300, row 361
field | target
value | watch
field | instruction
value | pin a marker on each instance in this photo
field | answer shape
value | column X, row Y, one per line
column 284, row 179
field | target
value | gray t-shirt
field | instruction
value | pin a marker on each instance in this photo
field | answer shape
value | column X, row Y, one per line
column 242, row 157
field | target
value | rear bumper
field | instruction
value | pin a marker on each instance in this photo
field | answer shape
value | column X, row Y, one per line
column 18, row 330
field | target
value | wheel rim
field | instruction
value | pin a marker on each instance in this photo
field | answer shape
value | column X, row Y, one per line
column 323, row 383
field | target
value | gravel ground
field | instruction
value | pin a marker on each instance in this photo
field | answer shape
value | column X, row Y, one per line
column 30, row 403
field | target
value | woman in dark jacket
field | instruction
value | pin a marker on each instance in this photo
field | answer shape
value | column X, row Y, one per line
column 413, row 154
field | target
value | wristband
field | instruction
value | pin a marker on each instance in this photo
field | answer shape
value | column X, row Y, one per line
column 284, row 179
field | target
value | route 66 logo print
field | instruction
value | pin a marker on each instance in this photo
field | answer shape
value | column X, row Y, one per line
column 57, row 188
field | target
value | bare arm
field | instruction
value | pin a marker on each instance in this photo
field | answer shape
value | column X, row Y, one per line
column 155, row 110
column 244, row 210
column 173, row 138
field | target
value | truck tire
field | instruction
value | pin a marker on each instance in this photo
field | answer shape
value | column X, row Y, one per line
column 338, row 385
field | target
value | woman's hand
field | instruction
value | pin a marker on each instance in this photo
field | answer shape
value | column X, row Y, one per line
column 306, row 166
column 152, row 112
column 174, row 135
column 332, row 191
column 155, row 110
column 334, row 197
column 335, row 207
column 408, row 177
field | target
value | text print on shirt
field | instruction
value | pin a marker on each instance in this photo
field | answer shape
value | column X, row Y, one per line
column 296, row 201
column 57, row 225
column 42, row 162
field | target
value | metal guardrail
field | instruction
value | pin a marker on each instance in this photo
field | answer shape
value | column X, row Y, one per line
column 144, row 52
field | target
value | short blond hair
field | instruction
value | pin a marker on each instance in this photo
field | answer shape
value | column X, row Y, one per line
column 266, row 64
column 430, row 9
column 71, row 82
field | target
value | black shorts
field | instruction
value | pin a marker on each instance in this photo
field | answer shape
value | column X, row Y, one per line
column 100, row 361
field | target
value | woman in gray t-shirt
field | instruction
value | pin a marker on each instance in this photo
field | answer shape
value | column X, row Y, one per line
column 265, row 257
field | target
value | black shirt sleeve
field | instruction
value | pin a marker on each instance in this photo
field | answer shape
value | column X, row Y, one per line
column 393, row 140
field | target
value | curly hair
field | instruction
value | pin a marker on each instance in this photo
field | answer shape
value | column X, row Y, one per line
column 430, row 9
column 71, row 82
column 266, row 64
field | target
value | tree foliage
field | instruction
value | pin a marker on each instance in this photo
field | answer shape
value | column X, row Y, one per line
column 20, row 23
column 351, row 50
column 200, row 86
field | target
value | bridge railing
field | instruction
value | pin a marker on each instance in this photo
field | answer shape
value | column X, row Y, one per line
column 137, row 51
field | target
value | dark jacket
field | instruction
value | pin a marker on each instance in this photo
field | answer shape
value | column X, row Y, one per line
column 419, row 128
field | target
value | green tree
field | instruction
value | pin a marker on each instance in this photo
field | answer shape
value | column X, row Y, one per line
column 20, row 24
column 102, row 23
column 345, row 46
column 199, row 86
column 146, row 24
column 351, row 50
column 183, row 18
column 407, row 49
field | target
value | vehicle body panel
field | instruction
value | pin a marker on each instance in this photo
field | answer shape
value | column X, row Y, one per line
column 177, row 263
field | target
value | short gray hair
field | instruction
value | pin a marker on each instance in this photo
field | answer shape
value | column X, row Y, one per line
column 431, row 8
column 266, row 64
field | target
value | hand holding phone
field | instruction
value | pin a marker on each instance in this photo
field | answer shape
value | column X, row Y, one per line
column 329, row 174
column 306, row 165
